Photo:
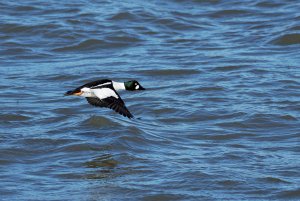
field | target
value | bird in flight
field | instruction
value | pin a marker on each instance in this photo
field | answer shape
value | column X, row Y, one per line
column 103, row 93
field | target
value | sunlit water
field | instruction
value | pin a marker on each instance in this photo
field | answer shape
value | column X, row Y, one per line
column 219, row 119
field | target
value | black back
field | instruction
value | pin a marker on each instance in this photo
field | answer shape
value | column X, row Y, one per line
column 91, row 85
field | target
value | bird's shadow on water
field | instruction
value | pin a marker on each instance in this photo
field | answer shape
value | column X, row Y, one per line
column 101, row 167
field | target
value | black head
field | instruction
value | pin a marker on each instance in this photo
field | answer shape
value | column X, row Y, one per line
column 133, row 85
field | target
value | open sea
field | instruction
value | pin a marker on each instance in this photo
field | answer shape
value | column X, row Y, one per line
column 220, row 119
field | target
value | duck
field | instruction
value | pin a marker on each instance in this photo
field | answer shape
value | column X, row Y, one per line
column 103, row 93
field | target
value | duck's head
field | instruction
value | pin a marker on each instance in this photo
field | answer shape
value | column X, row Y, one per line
column 133, row 85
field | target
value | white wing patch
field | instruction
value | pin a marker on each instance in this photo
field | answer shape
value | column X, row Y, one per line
column 99, row 85
column 104, row 93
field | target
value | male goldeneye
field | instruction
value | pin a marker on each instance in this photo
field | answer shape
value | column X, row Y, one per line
column 103, row 93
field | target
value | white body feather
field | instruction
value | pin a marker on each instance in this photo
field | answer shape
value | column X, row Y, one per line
column 118, row 86
column 103, row 93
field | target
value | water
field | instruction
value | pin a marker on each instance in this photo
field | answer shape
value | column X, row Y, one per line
column 219, row 119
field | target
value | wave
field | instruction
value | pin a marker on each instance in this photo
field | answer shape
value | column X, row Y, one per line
column 94, row 44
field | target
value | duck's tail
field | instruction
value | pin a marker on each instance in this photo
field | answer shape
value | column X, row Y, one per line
column 69, row 93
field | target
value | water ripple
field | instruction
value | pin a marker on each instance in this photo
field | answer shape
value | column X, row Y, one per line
column 219, row 119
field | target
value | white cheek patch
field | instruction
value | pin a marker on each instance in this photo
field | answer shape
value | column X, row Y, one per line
column 137, row 87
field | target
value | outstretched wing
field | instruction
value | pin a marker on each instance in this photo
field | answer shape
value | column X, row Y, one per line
column 118, row 106
column 108, row 97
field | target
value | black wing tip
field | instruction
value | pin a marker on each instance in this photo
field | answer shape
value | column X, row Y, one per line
column 126, row 113
column 129, row 116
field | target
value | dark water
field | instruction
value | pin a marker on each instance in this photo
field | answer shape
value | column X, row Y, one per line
column 219, row 121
